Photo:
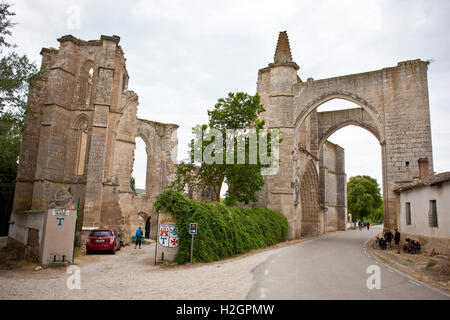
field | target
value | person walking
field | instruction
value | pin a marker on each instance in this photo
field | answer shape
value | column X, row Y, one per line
column 368, row 225
column 138, row 238
column 397, row 240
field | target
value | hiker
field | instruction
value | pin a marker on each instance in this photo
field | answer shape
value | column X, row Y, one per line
column 397, row 240
column 138, row 238
column 388, row 237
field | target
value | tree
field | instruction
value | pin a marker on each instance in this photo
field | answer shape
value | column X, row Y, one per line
column 232, row 140
column 17, row 73
column 364, row 198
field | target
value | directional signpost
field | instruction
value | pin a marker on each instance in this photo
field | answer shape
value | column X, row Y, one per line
column 193, row 231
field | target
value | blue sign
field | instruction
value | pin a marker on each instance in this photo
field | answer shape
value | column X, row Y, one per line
column 192, row 228
column 59, row 220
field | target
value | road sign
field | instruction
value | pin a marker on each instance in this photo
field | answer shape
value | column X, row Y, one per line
column 192, row 228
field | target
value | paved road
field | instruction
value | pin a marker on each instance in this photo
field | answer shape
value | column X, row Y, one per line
column 332, row 267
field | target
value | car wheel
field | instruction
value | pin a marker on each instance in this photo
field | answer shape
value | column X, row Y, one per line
column 113, row 250
column 88, row 252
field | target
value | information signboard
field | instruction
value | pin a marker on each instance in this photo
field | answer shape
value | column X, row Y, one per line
column 192, row 228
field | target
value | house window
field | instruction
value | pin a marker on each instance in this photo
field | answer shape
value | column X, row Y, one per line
column 432, row 218
column 408, row 212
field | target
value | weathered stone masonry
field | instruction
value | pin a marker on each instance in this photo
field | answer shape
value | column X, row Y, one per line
column 80, row 136
column 394, row 107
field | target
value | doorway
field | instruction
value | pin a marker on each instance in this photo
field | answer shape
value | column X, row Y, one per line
column 147, row 228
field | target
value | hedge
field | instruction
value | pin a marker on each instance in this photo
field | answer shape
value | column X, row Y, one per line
column 223, row 231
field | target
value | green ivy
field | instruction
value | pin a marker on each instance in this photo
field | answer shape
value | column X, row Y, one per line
column 223, row 231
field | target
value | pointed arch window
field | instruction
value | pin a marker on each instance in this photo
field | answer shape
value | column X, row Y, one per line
column 82, row 131
column 90, row 77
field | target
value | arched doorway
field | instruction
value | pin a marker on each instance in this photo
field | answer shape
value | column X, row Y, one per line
column 147, row 228
column 309, row 200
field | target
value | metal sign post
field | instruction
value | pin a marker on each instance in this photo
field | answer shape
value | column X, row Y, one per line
column 192, row 231
column 157, row 237
column 75, row 235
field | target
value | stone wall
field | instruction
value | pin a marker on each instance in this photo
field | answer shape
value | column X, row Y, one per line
column 333, row 186
column 81, row 137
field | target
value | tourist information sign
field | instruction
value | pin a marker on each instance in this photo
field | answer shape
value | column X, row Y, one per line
column 192, row 230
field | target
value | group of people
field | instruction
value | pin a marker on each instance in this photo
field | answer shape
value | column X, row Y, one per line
column 386, row 241
column 363, row 224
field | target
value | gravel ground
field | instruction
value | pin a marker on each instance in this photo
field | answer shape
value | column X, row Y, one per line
column 130, row 274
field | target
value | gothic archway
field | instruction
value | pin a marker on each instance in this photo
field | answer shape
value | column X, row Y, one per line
column 80, row 138
column 147, row 228
column 309, row 200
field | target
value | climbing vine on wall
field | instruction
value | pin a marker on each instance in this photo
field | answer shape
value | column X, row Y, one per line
column 223, row 231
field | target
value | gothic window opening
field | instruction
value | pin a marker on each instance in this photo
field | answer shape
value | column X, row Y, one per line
column 90, row 77
column 139, row 173
column 82, row 147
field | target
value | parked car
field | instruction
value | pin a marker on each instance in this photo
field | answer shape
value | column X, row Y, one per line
column 103, row 240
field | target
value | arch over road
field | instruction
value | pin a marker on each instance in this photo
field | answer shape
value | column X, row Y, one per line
column 331, row 121
column 394, row 107
column 371, row 114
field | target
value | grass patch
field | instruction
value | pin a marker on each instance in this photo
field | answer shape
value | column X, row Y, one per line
column 431, row 264
column 385, row 260
column 409, row 260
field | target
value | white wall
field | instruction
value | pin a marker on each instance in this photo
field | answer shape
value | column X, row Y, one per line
column 23, row 221
column 419, row 199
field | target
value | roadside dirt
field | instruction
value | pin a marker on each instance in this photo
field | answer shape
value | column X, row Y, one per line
column 131, row 274
column 433, row 270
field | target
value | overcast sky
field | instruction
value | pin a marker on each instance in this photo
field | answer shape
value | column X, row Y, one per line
column 184, row 55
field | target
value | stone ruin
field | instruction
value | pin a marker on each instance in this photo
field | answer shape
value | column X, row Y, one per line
column 80, row 136
column 81, row 131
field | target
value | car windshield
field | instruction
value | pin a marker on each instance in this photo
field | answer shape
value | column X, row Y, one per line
column 100, row 233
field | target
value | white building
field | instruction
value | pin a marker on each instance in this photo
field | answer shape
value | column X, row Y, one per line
column 425, row 212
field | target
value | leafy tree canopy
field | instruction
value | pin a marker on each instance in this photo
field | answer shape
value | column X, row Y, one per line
column 232, row 116
column 17, row 73
column 363, row 198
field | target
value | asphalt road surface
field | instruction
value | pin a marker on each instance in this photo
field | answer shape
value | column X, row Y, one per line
column 334, row 267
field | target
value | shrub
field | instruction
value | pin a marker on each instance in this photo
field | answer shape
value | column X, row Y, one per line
column 223, row 231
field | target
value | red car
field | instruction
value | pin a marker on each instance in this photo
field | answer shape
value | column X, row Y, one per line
column 103, row 240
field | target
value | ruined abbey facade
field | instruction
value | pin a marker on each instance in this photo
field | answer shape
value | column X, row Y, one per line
column 80, row 136
column 394, row 107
